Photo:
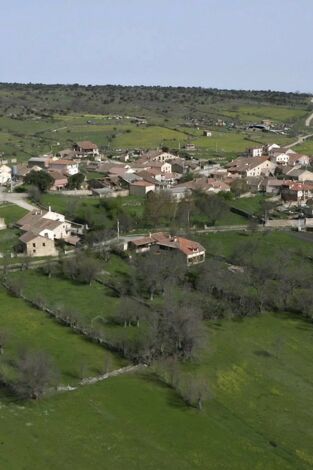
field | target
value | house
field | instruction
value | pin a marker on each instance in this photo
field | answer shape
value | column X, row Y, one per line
column 163, row 167
column 159, row 156
column 251, row 166
column 299, row 174
column 20, row 171
column 280, row 158
column 299, row 159
column 67, row 167
column 67, row 154
column 297, row 192
column 267, row 149
column 140, row 188
column 42, row 162
column 45, row 223
column 59, row 180
column 217, row 186
column 255, row 151
column 192, row 251
column 86, row 148
column 289, row 157
column 37, row 245
column 179, row 165
column 273, row 186
column 5, row 174
column 190, row 147
column 207, row 133
column 255, row 183
column 179, row 193
column 2, row 223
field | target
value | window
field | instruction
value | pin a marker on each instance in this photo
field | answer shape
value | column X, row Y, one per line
column 34, row 251
column 43, row 244
column 34, row 245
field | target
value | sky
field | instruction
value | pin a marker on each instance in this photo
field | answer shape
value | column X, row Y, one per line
column 234, row 44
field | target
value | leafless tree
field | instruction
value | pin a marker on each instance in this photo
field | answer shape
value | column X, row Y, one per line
column 194, row 391
column 36, row 374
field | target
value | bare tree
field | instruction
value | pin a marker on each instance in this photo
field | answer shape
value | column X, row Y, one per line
column 194, row 391
column 36, row 374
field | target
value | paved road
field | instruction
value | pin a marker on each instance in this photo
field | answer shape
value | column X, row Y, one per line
column 20, row 199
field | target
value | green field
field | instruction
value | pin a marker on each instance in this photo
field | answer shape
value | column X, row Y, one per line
column 260, row 414
column 257, row 113
column 249, row 204
column 267, row 243
column 23, row 138
column 26, row 327
column 11, row 213
column 306, row 147
column 94, row 304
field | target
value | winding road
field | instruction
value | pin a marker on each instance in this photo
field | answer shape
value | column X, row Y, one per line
column 302, row 138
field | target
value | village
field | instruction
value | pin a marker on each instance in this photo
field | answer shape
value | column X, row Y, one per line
column 278, row 173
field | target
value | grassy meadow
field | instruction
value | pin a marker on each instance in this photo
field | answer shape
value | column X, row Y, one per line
column 26, row 327
column 259, row 415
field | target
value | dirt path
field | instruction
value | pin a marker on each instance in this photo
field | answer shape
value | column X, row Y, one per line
column 309, row 118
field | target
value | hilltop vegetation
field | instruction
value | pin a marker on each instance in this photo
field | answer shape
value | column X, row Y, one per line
column 39, row 118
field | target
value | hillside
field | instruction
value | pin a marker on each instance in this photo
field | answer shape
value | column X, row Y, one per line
column 38, row 119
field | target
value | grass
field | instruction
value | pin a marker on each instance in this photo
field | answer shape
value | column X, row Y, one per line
column 23, row 138
column 256, row 113
column 8, row 239
column 260, row 415
column 9, row 236
column 11, row 213
column 306, row 147
column 249, row 204
column 89, row 302
column 31, row 328
column 267, row 243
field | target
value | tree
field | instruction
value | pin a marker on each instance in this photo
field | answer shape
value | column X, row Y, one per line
column 81, row 268
column 213, row 207
column 154, row 272
column 36, row 374
column 41, row 179
column 130, row 312
column 34, row 194
column 194, row 390
column 239, row 186
column 159, row 208
column 75, row 181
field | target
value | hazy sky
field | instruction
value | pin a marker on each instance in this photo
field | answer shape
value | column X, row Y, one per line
column 259, row 44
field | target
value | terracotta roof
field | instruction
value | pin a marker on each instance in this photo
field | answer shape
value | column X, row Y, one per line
column 87, row 145
column 184, row 245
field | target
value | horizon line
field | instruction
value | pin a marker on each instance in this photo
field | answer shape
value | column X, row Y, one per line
column 89, row 85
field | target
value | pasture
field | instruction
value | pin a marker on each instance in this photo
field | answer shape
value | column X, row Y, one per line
column 259, row 415
column 27, row 327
